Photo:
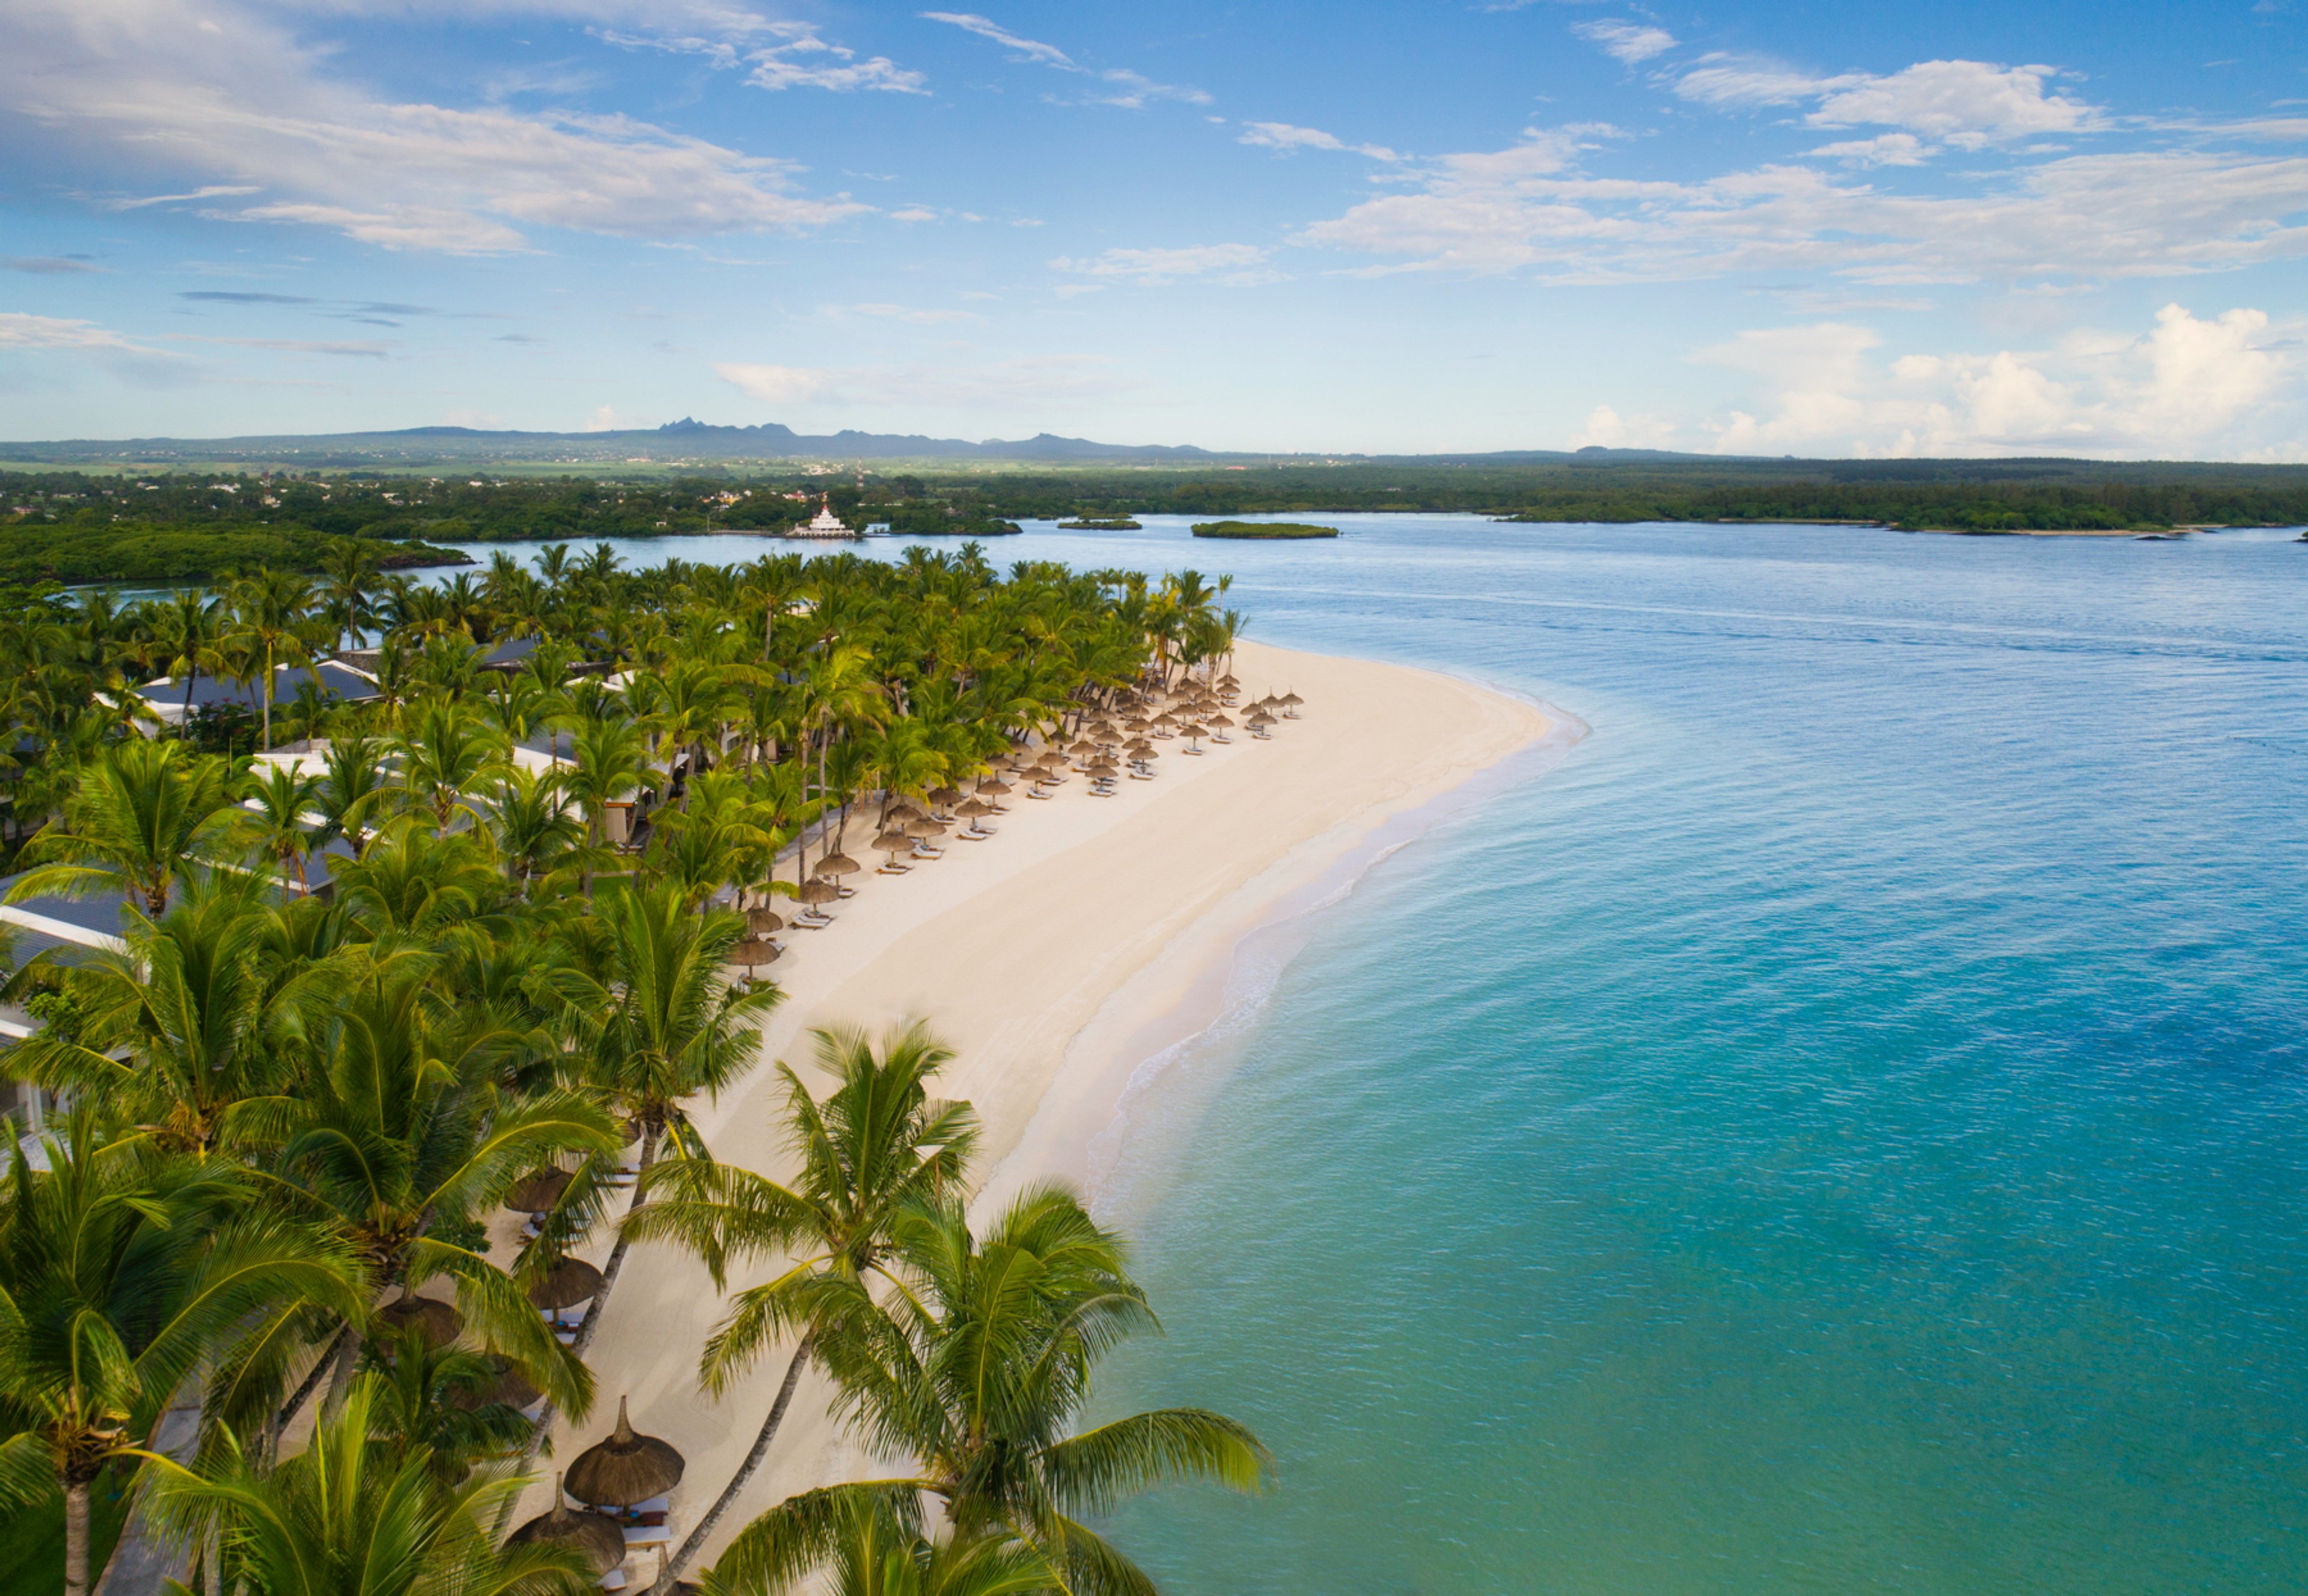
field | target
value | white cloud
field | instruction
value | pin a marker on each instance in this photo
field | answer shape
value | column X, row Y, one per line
column 19, row 330
column 1724, row 79
column 251, row 113
column 1966, row 103
column 1969, row 104
column 213, row 191
column 2189, row 387
column 1529, row 207
column 1884, row 149
column 1234, row 264
column 986, row 27
column 776, row 384
column 1131, row 90
column 1023, row 381
column 1285, row 138
column 914, row 214
column 1605, row 428
column 803, row 60
column 1630, row 42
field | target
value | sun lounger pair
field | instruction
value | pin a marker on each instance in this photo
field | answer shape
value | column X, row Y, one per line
column 808, row 921
column 1042, row 792
column 972, row 834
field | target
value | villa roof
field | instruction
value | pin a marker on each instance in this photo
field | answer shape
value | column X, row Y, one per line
column 339, row 680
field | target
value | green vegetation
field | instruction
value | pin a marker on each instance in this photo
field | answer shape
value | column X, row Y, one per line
column 176, row 525
column 296, row 1110
column 1261, row 529
column 1113, row 523
column 75, row 552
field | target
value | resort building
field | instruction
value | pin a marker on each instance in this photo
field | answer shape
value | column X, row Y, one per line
column 824, row 523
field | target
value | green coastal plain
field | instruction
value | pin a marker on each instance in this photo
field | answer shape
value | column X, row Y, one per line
column 78, row 514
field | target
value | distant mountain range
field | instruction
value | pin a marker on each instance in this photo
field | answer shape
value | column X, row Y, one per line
column 678, row 442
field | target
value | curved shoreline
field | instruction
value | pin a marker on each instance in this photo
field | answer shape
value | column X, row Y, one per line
column 1078, row 1128
column 1043, row 957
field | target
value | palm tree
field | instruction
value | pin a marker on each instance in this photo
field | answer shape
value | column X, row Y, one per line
column 609, row 760
column 841, row 693
column 176, row 1030
column 144, row 814
column 861, row 1540
column 878, row 1143
column 724, row 835
column 536, row 833
column 272, row 619
column 402, row 1133
column 349, row 589
column 190, row 626
column 981, row 1368
column 433, row 1399
column 282, row 799
column 346, row 1517
column 352, row 786
column 447, row 753
column 120, row 1270
column 661, row 1024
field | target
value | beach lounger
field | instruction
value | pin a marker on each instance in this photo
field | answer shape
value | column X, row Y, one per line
column 1038, row 793
column 811, row 921
column 922, row 852
column 892, row 868
column 615, row 1580
column 647, row 1535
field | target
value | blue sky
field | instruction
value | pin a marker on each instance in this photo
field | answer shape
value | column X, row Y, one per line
column 1786, row 228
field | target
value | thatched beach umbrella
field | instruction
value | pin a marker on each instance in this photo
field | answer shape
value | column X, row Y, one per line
column 1290, row 702
column 438, row 1323
column 627, row 1468
column 925, row 827
column 969, row 809
column 762, row 922
column 817, row 890
column 590, row 1536
column 943, row 796
column 753, row 952
column 836, row 864
column 892, row 842
column 510, row 1389
column 996, row 785
column 536, row 1193
column 567, row 1284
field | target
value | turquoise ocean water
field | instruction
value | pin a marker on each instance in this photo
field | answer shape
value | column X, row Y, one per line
column 1843, row 1130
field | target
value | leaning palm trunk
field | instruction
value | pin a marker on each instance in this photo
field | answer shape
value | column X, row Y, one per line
column 76, row 1539
column 675, row 1564
column 587, row 1325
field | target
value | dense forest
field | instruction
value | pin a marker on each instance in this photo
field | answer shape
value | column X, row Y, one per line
column 81, row 527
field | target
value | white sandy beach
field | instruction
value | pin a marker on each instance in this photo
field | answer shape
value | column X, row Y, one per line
column 1051, row 958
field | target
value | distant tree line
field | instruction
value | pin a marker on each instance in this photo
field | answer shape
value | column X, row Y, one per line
column 81, row 527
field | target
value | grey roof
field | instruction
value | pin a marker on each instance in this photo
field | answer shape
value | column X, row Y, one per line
column 335, row 680
column 509, row 654
column 106, row 914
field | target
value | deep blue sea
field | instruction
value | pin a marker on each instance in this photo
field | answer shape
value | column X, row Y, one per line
column 1843, row 1130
